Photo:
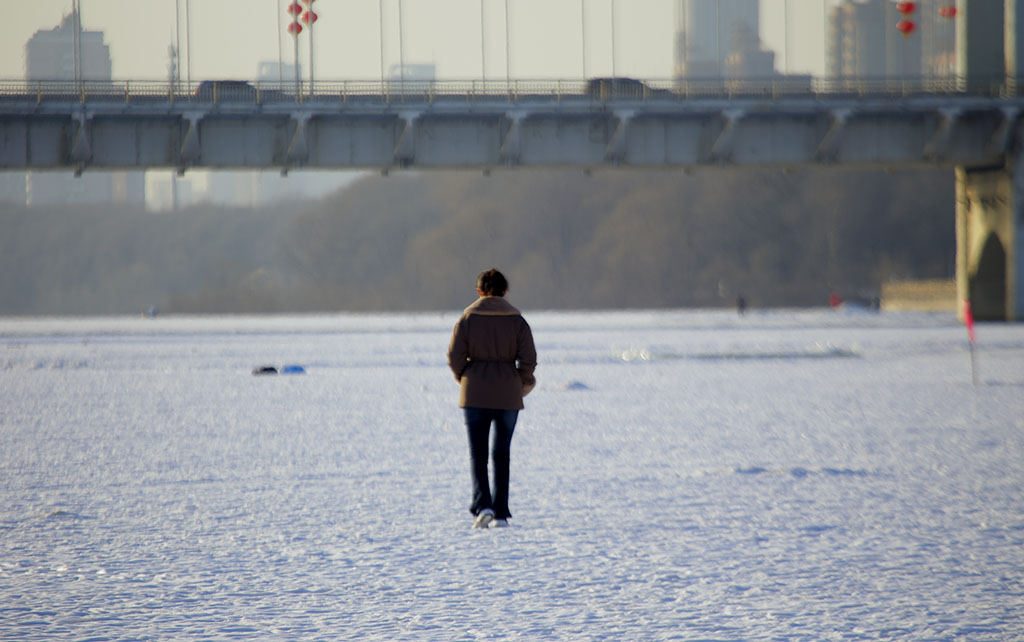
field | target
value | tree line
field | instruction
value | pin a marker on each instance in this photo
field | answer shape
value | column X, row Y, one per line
column 566, row 240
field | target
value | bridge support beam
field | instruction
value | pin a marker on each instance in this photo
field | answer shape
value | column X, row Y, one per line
column 512, row 144
column 298, row 148
column 990, row 239
column 191, row 151
column 405, row 146
column 615, row 152
column 81, row 150
column 721, row 150
column 829, row 145
column 936, row 148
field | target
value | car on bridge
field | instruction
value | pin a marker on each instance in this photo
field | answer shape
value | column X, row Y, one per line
column 621, row 88
column 235, row 91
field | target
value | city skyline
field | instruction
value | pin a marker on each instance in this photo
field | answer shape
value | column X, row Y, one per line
column 230, row 38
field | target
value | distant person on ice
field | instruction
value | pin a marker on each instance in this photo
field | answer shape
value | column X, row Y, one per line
column 493, row 357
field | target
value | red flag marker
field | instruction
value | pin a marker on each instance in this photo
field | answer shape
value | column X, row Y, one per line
column 969, row 322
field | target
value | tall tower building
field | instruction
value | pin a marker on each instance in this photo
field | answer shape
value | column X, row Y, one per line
column 938, row 39
column 856, row 40
column 50, row 54
column 56, row 55
column 710, row 32
column 864, row 43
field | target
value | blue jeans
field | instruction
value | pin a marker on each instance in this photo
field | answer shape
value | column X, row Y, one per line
column 478, row 426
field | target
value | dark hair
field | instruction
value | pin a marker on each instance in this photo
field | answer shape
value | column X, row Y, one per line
column 492, row 283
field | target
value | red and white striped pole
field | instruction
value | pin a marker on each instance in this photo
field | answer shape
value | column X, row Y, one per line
column 972, row 338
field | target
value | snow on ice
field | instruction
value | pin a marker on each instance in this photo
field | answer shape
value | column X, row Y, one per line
column 690, row 475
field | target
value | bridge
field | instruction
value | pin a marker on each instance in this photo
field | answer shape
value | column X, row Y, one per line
column 595, row 124
column 476, row 124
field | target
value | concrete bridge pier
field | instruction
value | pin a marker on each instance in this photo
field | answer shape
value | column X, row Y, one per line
column 990, row 239
column 990, row 200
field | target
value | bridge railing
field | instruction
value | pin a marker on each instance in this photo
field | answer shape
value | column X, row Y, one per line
column 483, row 91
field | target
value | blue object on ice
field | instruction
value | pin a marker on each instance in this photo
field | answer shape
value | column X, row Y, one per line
column 293, row 370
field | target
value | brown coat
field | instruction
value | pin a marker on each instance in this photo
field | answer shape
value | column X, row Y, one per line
column 492, row 355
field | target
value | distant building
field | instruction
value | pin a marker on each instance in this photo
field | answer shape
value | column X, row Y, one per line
column 852, row 45
column 711, row 33
column 253, row 188
column 51, row 55
column 274, row 71
column 165, row 191
column 938, row 40
column 746, row 59
column 413, row 71
column 864, row 42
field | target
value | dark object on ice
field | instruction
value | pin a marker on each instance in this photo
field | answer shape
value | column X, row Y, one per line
column 576, row 385
column 856, row 302
column 264, row 370
column 293, row 370
column 741, row 304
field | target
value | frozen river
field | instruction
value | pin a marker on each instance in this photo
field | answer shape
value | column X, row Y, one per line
column 787, row 475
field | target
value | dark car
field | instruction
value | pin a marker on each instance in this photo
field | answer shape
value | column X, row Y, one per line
column 609, row 88
column 222, row 91
column 620, row 88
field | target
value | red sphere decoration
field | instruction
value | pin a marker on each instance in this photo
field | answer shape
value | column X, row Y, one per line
column 948, row 11
column 906, row 27
column 294, row 28
column 906, row 8
column 294, row 8
column 309, row 15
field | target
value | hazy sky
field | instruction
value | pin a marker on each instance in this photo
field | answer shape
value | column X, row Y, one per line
column 230, row 37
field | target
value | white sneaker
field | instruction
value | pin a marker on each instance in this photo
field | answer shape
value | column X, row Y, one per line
column 500, row 523
column 484, row 518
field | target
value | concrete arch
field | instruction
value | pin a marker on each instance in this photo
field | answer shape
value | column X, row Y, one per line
column 988, row 283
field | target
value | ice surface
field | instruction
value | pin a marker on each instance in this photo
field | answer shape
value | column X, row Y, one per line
column 790, row 475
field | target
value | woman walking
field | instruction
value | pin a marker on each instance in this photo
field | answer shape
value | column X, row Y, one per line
column 493, row 358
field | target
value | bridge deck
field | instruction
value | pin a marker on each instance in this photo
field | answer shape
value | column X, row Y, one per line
column 473, row 124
